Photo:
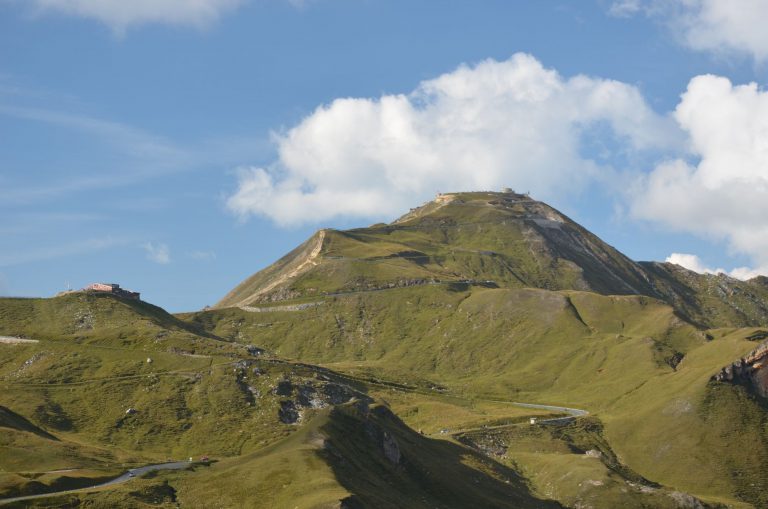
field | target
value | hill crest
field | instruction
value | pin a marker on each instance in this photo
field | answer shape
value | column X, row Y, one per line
column 505, row 239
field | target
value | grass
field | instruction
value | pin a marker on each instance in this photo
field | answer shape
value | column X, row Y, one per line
column 422, row 356
column 616, row 356
column 482, row 236
column 65, row 399
column 338, row 456
column 104, row 320
column 432, row 413
column 509, row 239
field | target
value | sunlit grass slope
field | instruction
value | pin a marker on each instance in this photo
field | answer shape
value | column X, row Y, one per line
column 506, row 240
column 630, row 360
column 347, row 455
column 104, row 319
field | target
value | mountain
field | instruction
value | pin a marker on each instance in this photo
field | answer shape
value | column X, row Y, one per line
column 498, row 297
column 97, row 384
column 504, row 240
column 712, row 300
column 481, row 351
column 102, row 318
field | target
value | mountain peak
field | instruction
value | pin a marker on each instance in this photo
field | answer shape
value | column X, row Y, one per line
column 445, row 204
column 504, row 237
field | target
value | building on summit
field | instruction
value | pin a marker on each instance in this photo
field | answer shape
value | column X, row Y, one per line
column 112, row 288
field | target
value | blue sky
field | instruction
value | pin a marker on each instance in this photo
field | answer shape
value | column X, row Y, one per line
column 178, row 147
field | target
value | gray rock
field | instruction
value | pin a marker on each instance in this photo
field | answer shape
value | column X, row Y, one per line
column 391, row 449
column 288, row 413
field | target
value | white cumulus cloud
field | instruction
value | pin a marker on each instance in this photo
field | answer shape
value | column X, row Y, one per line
column 724, row 193
column 158, row 253
column 718, row 26
column 694, row 263
column 122, row 14
column 511, row 123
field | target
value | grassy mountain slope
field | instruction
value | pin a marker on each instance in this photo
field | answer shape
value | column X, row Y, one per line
column 98, row 318
column 394, row 358
column 83, row 404
column 713, row 300
column 630, row 360
column 354, row 457
column 503, row 239
column 495, row 342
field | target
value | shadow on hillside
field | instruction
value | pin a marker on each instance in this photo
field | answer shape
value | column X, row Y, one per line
column 10, row 419
column 417, row 472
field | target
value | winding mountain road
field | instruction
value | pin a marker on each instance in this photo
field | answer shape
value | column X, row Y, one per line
column 574, row 412
column 127, row 476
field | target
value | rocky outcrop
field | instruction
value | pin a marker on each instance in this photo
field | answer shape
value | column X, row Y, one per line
column 313, row 395
column 391, row 449
column 383, row 438
column 275, row 309
column 288, row 413
column 751, row 370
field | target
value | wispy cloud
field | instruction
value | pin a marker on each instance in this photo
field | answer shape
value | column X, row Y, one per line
column 8, row 257
column 142, row 155
column 120, row 15
column 158, row 253
column 717, row 26
column 28, row 222
column 202, row 255
column 129, row 140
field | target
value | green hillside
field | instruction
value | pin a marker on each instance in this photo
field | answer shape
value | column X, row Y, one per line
column 495, row 342
column 79, row 406
column 712, row 300
column 620, row 357
column 504, row 240
column 395, row 366
column 99, row 318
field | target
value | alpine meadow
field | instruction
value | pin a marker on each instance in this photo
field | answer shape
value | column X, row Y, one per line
column 383, row 254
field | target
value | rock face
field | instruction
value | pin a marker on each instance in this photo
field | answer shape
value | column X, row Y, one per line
column 288, row 413
column 751, row 370
column 383, row 439
column 391, row 449
column 312, row 395
column 686, row 501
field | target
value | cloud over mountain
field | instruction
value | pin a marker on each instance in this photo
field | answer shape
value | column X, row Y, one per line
column 724, row 193
column 487, row 126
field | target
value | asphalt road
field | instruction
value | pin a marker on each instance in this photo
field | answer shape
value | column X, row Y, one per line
column 575, row 412
column 130, row 474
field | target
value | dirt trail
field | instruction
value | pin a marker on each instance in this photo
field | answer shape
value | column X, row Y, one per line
column 9, row 340
column 303, row 266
